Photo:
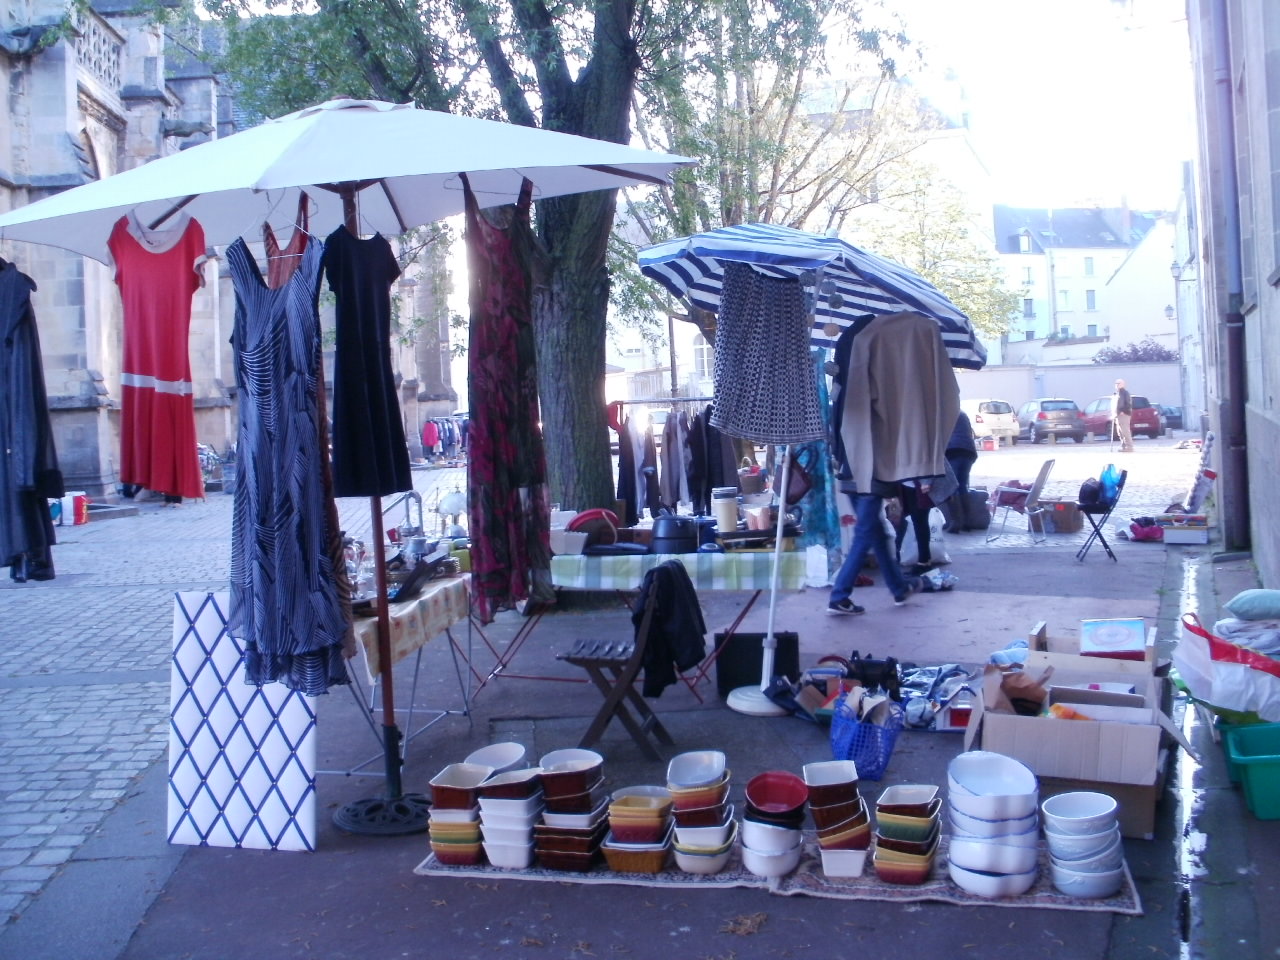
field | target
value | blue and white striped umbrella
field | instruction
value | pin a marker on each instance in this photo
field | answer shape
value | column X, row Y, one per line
column 692, row 268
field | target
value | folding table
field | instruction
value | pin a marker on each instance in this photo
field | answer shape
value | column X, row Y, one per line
column 741, row 570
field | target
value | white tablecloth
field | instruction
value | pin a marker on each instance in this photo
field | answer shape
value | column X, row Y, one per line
column 440, row 605
column 740, row 570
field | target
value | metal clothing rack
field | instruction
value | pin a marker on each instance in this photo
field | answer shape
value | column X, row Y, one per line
column 666, row 400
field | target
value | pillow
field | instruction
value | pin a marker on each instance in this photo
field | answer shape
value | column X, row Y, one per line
column 1255, row 605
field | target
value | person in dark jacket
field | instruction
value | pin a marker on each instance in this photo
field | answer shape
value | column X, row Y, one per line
column 961, row 453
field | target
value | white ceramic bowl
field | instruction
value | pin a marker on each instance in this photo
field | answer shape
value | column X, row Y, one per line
column 506, row 835
column 982, row 827
column 707, row 837
column 1079, row 813
column 1027, row 838
column 991, row 856
column 701, row 862
column 501, row 756
column 454, row 816
column 695, row 768
column 992, row 884
column 1066, row 846
column 730, row 839
column 569, row 759
column 1102, row 862
column 1091, row 885
column 991, row 786
column 578, row 821
column 844, row 863
column 828, row 772
column 511, row 856
column 771, row 864
column 768, row 838
column 505, row 821
column 511, row 808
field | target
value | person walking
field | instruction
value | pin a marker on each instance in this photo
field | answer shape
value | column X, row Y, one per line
column 961, row 453
column 1123, row 419
column 869, row 536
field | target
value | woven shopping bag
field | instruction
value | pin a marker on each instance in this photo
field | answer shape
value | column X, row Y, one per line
column 868, row 745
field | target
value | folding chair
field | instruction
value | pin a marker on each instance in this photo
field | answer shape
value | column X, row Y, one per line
column 613, row 666
column 1031, row 506
column 1098, row 514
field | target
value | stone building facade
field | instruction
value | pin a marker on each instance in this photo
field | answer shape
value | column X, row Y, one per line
column 104, row 92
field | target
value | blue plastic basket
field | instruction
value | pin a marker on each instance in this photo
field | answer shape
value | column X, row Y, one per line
column 868, row 745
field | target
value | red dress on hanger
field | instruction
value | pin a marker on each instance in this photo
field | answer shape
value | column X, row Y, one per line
column 157, row 272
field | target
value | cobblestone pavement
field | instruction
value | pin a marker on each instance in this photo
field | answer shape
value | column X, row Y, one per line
column 84, row 677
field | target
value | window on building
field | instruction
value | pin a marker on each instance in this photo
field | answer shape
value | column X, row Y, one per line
column 632, row 351
column 1088, row 266
column 1093, row 329
column 1024, row 243
column 1091, row 299
column 1064, row 331
column 1027, row 277
column 1064, row 299
column 1031, row 334
column 1028, row 307
column 702, row 358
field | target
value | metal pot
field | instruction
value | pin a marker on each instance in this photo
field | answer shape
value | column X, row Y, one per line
column 673, row 534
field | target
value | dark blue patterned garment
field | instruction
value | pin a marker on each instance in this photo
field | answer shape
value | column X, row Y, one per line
column 287, row 602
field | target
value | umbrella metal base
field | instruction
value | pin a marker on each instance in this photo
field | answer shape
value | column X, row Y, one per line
column 385, row 816
column 753, row 702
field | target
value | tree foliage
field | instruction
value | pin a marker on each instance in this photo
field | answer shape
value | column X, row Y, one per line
column 1145, row 351
column 925, row 225
column 583, row 67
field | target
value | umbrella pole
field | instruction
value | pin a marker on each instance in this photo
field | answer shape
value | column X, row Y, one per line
column 395, row 812
column 752, row 700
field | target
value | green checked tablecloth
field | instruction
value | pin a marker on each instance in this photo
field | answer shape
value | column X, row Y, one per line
column 708, row 571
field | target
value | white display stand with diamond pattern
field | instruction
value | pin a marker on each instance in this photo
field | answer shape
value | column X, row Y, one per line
column 242, row 758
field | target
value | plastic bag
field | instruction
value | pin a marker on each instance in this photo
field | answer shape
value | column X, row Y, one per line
column 1110, row 481
column 910, row 553
column 1225, row 675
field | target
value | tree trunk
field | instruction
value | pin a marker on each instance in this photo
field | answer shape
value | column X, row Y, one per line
column 569, row 314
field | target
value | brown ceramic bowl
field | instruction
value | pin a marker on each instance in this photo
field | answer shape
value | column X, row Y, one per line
column 455, row 787
column 565, row 840
column 831, row 782
column 911, row 874
column 578, row 802
column 572, row 784
column 570, row 771
column 919, row 847
column 907, row 799
column 777, row 792
column 829, row 816
column 458, row 854
column 631, row 831
column 511, row 785
column 854, row 837
column 558, row 860
column 711, row 816
column 703, row 796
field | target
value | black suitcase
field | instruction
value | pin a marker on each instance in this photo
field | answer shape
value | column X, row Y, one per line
column 977, row 516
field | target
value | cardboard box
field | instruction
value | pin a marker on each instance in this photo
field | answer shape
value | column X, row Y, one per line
column 1137, row 802
column 1124, row 750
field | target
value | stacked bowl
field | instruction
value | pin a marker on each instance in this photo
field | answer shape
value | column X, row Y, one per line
column 705, row 830
column 454, row 825
column 908, row 825
column 840, row 814
column 995, row 840
column 575, row 812
column 771, row 835
column 510, row 805
column 639, row 837
column 1085, row 850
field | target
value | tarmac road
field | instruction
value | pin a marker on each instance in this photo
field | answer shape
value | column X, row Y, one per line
column 85, row 870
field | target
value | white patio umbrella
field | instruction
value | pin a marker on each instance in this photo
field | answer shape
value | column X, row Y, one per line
column 404, row 161
column 844, row 283
column 406, row 165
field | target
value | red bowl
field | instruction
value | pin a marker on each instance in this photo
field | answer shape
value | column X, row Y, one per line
column 777, row 791
column 829, row 816
column 710, row 816
column 648, row 832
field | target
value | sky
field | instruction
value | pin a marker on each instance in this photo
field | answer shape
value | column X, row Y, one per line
column 1069, row 100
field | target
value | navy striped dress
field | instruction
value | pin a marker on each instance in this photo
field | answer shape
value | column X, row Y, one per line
column 288, row 593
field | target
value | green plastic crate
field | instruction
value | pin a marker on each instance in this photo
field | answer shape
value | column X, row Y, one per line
column 1226, row 729
column 1256, row 750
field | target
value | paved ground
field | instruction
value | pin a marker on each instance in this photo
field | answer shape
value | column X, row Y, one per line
column 83, row 724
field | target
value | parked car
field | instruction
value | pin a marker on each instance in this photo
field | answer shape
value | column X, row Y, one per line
column 1172, row 416
column 1050, row 417
column 992, row 418
column 1146, row 419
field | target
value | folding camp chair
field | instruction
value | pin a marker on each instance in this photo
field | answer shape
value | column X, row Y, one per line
column 1098, row 514
column 1031, row 506
column 613, row 666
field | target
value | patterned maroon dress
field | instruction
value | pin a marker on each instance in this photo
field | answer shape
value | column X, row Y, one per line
column 510, row 522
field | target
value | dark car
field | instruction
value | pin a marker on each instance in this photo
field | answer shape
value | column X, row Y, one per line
column 1146, row 420
column 1050, row 417
column 1172, row 416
